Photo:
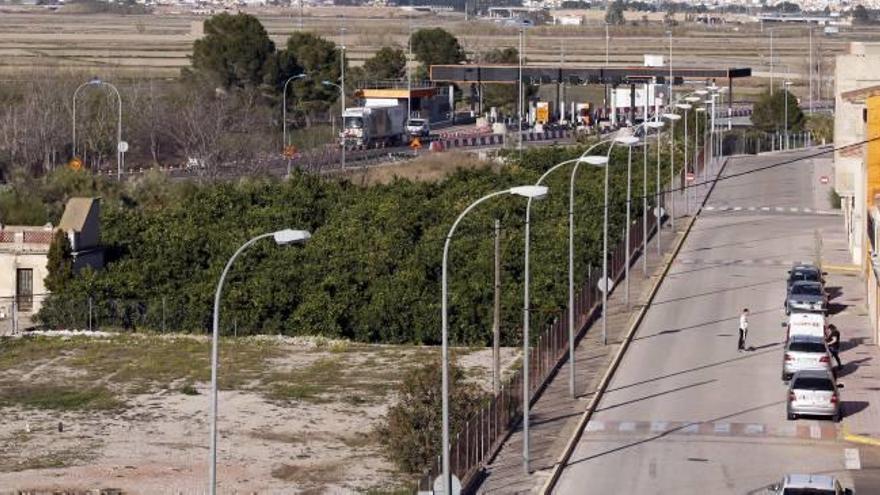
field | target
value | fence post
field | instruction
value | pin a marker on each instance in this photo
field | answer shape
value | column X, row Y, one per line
column 163, row 314
column 90, row 313
column 15, row 314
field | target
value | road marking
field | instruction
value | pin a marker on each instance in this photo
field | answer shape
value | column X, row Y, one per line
column 658, row 426
column 627, row 426
column 851, row 459
column 777, row 209
column 765, row 208
column 754, row 429
column 691, row 428
column 815, row 432
column 737, row 208
column 595, row 425
column 722, row 428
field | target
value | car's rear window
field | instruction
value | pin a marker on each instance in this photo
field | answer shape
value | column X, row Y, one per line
column 806, row 346
column 806, row 290
column 805, row 275
column 809, row 383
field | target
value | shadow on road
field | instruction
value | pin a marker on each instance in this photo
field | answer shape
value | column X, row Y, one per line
column 850, row 367
column 658, row 394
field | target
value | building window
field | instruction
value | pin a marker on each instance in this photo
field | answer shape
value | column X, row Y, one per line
column 24, row 289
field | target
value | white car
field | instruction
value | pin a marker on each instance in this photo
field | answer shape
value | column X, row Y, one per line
column 813, row 393
column 418, row 127
column 812, row 324
column 805, row 352
column 810, row 484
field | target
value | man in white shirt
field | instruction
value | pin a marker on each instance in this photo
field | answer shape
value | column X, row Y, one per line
column 743, row 328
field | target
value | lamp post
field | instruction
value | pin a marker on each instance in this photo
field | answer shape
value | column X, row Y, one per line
column 686, row 107
column 656, row 124
column 672, row 117
column 700, row 111
column 645, row 190
column 526, row 192
column 284, row 107
column 341, row 114
column 119, row 149
column 520, row 91
column 281, row 237
column 786, row 84
column 629, row 142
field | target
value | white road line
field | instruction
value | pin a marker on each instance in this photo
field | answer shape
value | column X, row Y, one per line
column 658, row 426
column 752, row 208
column 754, row 429
column 815, row 432
column 595, row 425
column 779, row 208
column 691, row 428
column 709, row 208
column 793, row 210
column 851, row 459
column 722, row 428
column 627, row 426
column 747, row 262
column 765, row 208
column 737, row 208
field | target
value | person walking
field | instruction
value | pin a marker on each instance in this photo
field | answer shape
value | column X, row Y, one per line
column 743, row 329
column 833, row 341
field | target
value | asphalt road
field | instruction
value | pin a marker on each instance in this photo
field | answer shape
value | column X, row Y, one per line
column 686, row 412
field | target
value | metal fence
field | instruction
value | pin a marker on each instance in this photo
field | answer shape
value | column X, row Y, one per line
column 751, row 143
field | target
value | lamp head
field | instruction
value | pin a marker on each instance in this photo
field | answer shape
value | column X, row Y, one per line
column 701, row 92
column 700, row 109
column 655, row 124
column 327, row 83
column 692, row 99
column 684, row 106
column 95, row 81
column 671, row 116
column 597, row 160
column 624, row 140
column 290, row 236
column 531, row 192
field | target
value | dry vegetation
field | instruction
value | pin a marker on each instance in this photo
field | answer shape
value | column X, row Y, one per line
column 295, row 413
column 428, row 167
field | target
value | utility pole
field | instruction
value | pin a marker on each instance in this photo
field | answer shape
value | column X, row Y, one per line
column 342, row 90
column 771, row 61
column 496, row 316
column 810, row 74
column 520, row 141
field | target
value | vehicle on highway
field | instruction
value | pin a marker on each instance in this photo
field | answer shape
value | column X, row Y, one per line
column 806, row 296
column 802, row 272
column 374, row 126
column 418, row 127
column 805, row 352
column 805, row 324
column 813, row 393
column 810, row 484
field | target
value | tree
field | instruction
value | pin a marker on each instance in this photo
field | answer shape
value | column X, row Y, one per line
column 413, row 426
column 320, row 59
column 861, row 16
column 60, row 263
column 769, row 112
column 501, row 96
column 436, row 46
column 234, row 51
column 387, row 63
column 614, row 13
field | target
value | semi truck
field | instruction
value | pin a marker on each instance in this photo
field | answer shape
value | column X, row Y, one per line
column 374, row 126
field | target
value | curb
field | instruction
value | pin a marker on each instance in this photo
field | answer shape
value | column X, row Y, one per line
column 558, row 467
column 862, row 439
column 842, row 268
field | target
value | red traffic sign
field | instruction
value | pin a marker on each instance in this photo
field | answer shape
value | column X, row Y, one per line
column 290, row 152
column 690, row 177
column 823, row 179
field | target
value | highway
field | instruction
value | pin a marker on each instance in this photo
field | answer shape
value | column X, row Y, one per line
column 686, row 412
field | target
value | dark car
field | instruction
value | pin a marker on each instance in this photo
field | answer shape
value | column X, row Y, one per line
column 806, row 297
column 804, row 273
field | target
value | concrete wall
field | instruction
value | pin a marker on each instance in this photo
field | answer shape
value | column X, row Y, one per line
column 36, row 260
column 858, row 69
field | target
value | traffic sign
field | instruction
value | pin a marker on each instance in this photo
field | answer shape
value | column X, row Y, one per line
column 823, row 179
column 455, row 485
column 75, row 164
column 690, row 177
column 289, row 151
column 122, row 147
column 659, row 213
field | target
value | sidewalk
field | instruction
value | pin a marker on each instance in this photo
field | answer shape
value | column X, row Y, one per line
column 555, row 414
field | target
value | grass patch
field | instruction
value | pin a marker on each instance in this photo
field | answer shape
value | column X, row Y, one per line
column 59, row 397
column 189, row 389
column 295, row 392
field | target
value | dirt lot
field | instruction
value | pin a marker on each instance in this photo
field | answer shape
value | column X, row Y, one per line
column 131, row 413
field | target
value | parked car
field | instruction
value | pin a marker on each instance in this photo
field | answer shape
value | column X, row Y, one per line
column 810, row 484
column 805, row 324
column 806, row 296
column 802, row 272
column 813, row 393
column 805, row 352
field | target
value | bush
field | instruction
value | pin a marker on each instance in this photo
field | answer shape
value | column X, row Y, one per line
column 413, row 428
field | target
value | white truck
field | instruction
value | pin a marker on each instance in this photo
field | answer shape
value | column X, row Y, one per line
column 374, row 126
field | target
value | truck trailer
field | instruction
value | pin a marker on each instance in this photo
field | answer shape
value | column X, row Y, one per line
column 374, row 126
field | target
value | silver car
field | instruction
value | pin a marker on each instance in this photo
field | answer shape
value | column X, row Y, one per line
column 810, row 484
column 806, row 296
column 813, row 393
column 805, row 352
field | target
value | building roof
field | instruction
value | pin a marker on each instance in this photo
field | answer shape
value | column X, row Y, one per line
column 861, row 94
column 76, row 213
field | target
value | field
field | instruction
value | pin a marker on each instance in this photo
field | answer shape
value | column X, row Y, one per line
column 131, row 413
column 157, row 45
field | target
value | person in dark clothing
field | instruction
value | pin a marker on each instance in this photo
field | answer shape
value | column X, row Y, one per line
column 743, row 329
column 833, row 341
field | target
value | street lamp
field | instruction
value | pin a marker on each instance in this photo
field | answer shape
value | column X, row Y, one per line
column 629, row 142
column 281, row 237
column 686, row 107
column 284, row 107
column 700, row 111
column 656, row 124
column 531, row 192
column 119, row 146
column 672, row 117
column 341, row 114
